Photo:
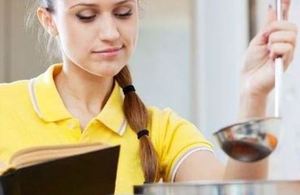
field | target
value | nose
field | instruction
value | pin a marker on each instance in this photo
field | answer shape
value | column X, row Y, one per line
column 109, row 30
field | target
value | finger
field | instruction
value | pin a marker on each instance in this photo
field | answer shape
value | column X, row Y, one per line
column 262, row 37
column 271, row 15
column 286, row 62
column 283, row 37
column 281, row 26
column 281, row 49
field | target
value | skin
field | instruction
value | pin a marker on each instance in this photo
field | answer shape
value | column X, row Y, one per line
column 87, row 77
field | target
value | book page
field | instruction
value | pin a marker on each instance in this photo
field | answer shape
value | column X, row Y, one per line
column 39, row 154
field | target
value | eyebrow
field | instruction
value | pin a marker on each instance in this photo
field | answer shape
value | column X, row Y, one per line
column 95, row 5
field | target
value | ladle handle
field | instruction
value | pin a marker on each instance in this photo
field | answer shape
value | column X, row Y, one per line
column 278, row 84
column 279, row 11
column 278, row 66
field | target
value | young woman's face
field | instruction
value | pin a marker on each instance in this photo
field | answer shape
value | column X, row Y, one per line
column 97, row 35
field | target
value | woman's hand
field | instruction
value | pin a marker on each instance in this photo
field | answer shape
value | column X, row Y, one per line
column 278, row 38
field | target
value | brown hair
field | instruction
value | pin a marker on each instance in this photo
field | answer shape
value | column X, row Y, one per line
column 136, row 115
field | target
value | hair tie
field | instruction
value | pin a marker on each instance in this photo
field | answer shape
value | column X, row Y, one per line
column 142, row 133
column 128, row 89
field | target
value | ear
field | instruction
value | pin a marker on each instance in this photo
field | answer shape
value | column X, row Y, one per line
column 47, row 21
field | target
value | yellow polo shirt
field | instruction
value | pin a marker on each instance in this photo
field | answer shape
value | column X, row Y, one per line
column 33, row 114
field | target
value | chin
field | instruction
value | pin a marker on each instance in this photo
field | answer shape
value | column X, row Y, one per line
column 104, row 69
column 107, row 72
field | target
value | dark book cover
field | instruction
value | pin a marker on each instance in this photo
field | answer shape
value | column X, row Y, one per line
column 92, row 173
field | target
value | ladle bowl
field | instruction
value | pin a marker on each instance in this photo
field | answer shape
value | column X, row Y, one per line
column 250, row 141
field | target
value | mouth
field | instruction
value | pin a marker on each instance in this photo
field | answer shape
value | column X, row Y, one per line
column 109, row 52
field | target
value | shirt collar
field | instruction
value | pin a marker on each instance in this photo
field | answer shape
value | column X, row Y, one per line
column 49, row 106
column 112, row 114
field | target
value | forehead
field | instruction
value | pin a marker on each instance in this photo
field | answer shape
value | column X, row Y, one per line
column 73, row 3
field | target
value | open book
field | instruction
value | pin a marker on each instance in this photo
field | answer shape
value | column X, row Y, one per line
column 30, row 156
column 62, row 169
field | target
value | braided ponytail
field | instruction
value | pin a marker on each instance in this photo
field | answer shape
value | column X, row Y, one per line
column 137, row 117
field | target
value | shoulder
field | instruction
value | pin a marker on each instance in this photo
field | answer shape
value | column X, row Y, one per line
column 165, row 118
column 159, row 113
column 174, row 138
column 14, row 103
column 166, row 126
column 162, row 113
column 13, row 87
column 14, row 92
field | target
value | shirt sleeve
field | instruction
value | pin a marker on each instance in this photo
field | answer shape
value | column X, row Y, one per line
column 175, row 139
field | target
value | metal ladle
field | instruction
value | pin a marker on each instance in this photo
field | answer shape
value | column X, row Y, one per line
column 255, row 139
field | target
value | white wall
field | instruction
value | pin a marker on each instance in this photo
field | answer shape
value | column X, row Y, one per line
column 19, row 56
column 2, row 45
column 292, row 99
column 25, row 60
column 221, row 38
column 188, row 58
column 161, row 64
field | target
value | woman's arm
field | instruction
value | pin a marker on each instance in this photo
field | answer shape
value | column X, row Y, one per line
column 278, row 38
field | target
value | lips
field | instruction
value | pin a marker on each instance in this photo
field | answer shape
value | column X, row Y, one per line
column 108, row 52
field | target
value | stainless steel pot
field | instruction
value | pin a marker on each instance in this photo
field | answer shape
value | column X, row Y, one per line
column 222, row 188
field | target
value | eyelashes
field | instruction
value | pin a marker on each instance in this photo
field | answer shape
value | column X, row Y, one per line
column 124, row 15
column 85, row 18
column 90, row 18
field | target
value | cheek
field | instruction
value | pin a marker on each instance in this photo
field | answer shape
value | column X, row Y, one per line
column 75, row 38
column 131, row 33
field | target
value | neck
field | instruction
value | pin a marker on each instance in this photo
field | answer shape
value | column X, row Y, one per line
column 81, row 90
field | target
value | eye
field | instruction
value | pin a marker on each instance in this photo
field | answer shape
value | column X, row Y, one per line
column 123, row 12
column 85, row 18
column 86, row 15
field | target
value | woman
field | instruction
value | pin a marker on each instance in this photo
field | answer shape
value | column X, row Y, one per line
column 80, row 100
